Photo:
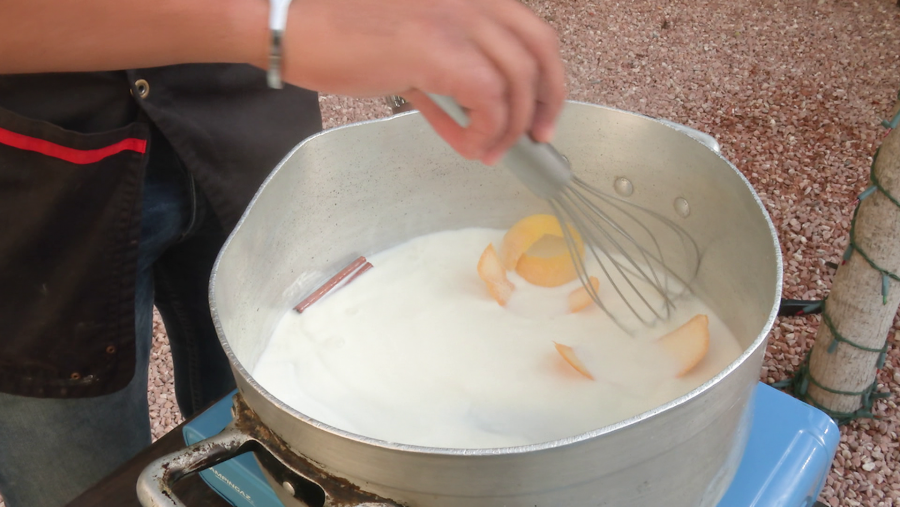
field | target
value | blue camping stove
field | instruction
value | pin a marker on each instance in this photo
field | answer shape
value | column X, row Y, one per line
column 788, row 456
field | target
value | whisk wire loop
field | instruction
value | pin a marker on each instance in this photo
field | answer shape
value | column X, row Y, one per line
column 594, row 243
column 578, row 261
column 638, row 271
column 632, row 257
column 684, row 236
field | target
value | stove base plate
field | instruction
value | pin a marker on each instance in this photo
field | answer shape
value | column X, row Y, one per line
column 788, row 456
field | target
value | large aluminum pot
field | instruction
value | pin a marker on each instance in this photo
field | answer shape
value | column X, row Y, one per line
column 359, row 189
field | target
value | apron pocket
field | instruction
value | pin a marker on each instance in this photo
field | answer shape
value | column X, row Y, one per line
column 69, row 231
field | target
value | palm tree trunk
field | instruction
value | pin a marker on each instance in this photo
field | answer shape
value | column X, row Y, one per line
column 856, row 307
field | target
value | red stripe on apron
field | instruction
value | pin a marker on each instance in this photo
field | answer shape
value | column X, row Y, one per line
column 70, row 154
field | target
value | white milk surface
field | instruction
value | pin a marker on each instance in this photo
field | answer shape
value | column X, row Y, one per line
column 416, row 351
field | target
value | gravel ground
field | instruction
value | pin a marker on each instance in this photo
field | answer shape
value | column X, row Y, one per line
column 794, row 91
column 164, row 413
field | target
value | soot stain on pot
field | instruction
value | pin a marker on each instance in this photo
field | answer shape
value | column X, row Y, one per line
column 307, row 477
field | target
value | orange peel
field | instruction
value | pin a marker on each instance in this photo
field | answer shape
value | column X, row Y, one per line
column 688, row 344
column 552, row 266
column 568, row 353
column 579, row 299
column 491, row 271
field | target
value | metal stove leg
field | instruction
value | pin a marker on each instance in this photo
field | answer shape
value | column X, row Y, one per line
column 305, row 482
column 154, row 486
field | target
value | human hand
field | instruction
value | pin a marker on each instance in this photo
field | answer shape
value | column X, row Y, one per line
column 496, row 58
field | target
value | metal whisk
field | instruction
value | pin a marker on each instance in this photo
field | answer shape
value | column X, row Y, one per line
column 648, row 259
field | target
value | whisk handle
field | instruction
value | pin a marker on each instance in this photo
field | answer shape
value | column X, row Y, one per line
column 538, row 165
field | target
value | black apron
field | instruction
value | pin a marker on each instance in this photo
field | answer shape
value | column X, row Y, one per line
column 73, row 150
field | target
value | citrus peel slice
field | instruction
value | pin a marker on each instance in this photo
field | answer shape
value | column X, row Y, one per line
column 688, row 344
column 579, row 299
column 568, row 353
column 552, row 266
column 491, row 271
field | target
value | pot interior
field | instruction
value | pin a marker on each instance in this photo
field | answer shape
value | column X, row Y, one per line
column 360, row 189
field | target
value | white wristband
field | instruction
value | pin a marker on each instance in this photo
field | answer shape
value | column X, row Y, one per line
column 278, row 11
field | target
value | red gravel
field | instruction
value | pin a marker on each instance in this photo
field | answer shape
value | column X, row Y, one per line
column 794, row 91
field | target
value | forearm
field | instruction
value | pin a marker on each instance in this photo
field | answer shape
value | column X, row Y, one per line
column 54, row 36
column 495, row 57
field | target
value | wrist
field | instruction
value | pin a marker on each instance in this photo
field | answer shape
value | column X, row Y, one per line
column 249, row 26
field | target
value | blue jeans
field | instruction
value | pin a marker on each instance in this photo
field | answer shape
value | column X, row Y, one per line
column 51, row 450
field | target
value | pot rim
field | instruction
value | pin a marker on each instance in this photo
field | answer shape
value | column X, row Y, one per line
column 494, row 451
